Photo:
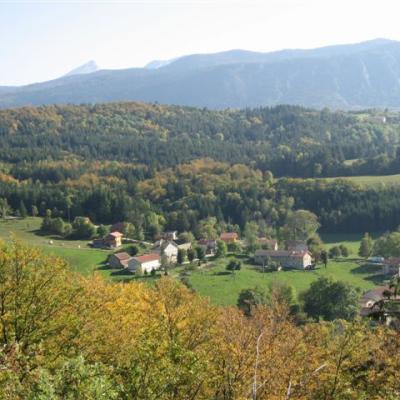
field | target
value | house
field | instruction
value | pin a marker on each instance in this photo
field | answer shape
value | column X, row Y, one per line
column 391, row 266
column 286, row 258
column 209, row 246
column 166, row 247
column 145, row 263
column 373, row 302
column 270, row 244
column 296, row 245
column 119, row 260
column 229, row 237
column 113, row 240
column 372, row 297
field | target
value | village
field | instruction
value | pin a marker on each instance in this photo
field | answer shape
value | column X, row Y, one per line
column 169, row 251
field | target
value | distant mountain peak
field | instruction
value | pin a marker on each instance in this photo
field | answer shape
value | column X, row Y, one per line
column 155, row 64
column 86, row 68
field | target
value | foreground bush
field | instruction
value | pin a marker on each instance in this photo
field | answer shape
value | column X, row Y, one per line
column 67, row 337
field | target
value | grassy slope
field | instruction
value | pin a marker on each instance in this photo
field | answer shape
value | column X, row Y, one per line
column 81, row 258
column 224, row 289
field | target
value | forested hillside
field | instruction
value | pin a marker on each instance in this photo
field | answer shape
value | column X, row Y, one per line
column 171, row 167
column 287, row 140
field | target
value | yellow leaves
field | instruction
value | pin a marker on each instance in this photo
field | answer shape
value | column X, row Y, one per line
column 163, row 342
column 36, row 293
column 7, row 178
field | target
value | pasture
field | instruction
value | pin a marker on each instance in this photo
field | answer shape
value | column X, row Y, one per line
column 223, row 288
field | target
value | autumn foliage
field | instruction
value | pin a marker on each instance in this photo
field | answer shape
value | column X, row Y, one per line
column 67, row 337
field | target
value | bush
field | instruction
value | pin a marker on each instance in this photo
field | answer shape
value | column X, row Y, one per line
column 83, row 228
column 191, row 255
column 133, row 250
column 335, row 252
column 221, row 249
column 181, row 256
column 234, row 247
column 344, row 250
column 234, row 266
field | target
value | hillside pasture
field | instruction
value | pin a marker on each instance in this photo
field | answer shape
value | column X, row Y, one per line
column 223, row 288
column 77, row 253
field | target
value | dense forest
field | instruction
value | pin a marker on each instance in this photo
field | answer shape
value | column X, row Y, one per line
column 173, row 167
column 287, row 140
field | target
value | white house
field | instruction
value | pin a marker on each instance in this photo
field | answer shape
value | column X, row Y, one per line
column 144, row 263
column 167, row 247
column 287, row 259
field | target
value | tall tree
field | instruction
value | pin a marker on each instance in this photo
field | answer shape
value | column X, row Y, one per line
column 366, row 246
column 251, row 235
column 329, row 299
column 5, row 209
column 301, row 225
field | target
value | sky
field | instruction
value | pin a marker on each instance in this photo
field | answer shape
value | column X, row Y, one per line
column 42, row 40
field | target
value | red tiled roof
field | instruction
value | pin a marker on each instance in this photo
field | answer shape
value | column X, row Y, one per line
column 147, row 258
column 392, row 261
column 122, row 256
column 229, row 235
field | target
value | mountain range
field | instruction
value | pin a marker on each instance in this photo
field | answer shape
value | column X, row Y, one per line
column 362, row 75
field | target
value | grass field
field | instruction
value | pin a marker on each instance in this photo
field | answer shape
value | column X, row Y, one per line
column 211, row 280
column 351, row 241
column 79, row 255
column 223, row 288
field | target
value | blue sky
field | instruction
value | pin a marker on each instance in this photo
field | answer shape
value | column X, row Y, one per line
column 41, row 40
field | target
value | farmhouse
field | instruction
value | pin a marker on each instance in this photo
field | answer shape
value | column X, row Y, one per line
column 113, row 240
column 229, row 237
column 209, row 246
column 119, row 260
column 147, row 262
column 166, row 247
column 391, row 266
column 374, row 301
column 287, row 259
